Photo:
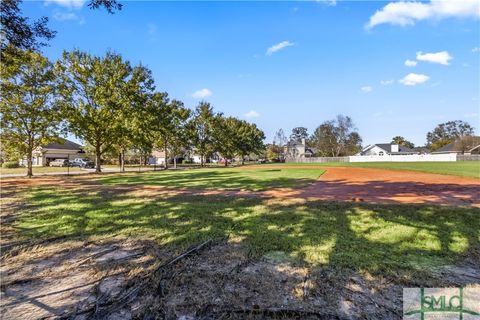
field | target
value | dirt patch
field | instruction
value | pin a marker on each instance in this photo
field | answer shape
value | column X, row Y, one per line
column 388, row 186
column 122, row 279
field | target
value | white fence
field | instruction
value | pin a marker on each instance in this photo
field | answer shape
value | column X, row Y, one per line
column 387, row 158
column 318, row 159
column 405, row 158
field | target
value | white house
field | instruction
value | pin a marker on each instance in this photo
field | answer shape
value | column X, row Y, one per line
column 382, row 149
column 157, row 158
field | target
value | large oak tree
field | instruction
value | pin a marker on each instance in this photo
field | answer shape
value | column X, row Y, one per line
column 29, row 115
column 99, row 96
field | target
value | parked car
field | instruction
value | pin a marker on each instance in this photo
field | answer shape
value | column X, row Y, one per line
column 261, row 161
column 82, row 163
column 59, row 163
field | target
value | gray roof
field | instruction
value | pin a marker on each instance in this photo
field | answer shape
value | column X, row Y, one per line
column 388, row 147
column 63, row 144
column 447, row 148
column 468, row 144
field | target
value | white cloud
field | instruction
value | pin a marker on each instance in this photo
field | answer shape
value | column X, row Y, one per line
column 413, row 79
column 410, row 63
column 71, row 4
column 386, row 82
column 278, row 47
column 407, row 13
column 476, row 49
column 67, row 16
column 441, row 57
column 366, row 89
column 252, row 114
column 202, row 93
column 328, row 2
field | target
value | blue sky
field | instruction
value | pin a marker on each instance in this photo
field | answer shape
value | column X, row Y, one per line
column 287, row 64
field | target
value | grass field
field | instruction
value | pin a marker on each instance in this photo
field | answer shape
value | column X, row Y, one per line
column 458, row 168
column 286, row 243
column 376, row 238
column 251, row 179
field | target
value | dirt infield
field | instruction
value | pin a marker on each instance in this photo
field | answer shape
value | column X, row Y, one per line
column 336, row 184
column 388, row 186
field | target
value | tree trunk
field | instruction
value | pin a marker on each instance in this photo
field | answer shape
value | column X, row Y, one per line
column 98, row 168
column 166, row 154
column 201, row 160
column 29, row 162
column 243, row 160
column 174, row 162
column 122, row 160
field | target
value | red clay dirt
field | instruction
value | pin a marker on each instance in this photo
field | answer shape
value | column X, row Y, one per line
column 336, row 184
column 389, row 186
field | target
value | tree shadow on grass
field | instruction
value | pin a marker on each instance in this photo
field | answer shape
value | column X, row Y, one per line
column 376, row 238
column 404, row 242
column 228, row 179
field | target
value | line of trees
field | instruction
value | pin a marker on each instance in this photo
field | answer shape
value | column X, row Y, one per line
column 110, row 105
column 339, row 137
column 333, row 138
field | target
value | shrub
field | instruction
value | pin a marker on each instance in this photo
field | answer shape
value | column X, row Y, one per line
column 10, row 164
column 186, row 162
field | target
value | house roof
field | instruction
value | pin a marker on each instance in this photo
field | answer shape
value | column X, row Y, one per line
column 388, row 147
column 460, row 145
column 64, row 144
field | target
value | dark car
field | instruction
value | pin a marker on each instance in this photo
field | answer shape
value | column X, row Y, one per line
column 83, row 163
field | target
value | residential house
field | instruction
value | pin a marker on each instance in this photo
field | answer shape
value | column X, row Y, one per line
column 64, row 149
column 157, row 157
column 465, row 145
column 296, row 150
column 382, row 149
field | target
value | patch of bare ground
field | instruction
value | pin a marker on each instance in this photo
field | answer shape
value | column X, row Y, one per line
column 125, row 279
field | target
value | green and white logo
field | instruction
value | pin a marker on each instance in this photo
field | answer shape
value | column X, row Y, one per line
column 441, row 303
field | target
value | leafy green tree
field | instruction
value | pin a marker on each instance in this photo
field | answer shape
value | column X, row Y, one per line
column 249, row 139
column 336, row 138
column 403, row 142
column 298, row 134
column 179, row 133
column 226, row 136
column 130, row 127
column 94, row 92
column 203, row 126
column 29, row 116
column 448, row 132
column 158, row 120
column 272, row 152
column 19, row 32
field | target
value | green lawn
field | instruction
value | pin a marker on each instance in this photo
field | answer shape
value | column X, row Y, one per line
column 252, row 179
column 37, row 170
column 385, row 239
column 458, row 168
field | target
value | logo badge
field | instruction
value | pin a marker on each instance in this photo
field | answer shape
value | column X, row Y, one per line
column 441, row 303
